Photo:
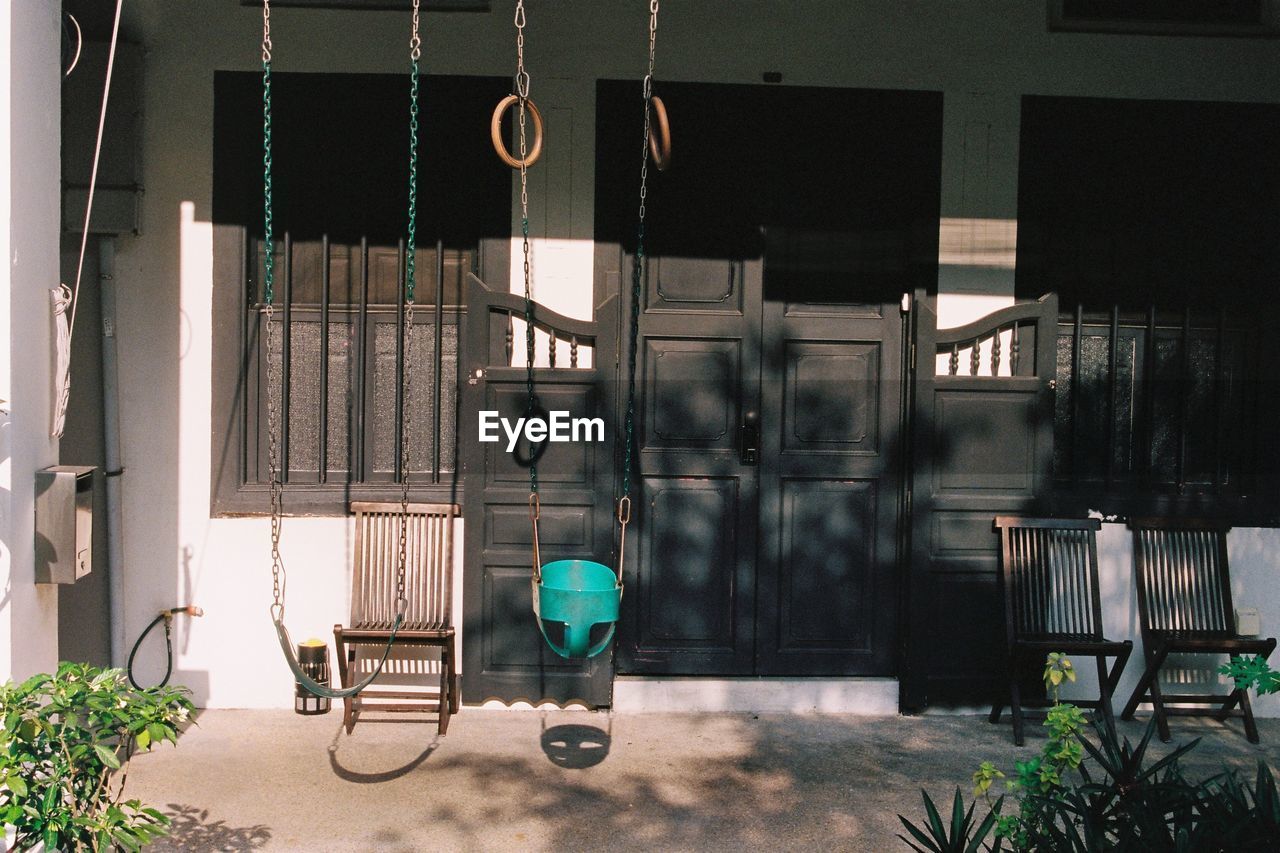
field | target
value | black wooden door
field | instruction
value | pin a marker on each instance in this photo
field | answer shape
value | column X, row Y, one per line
column 768, row 507
column 829, row 466
column 690, row 606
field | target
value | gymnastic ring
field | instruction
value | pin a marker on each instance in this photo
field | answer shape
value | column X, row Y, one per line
column 660, row 144
column 495, row 132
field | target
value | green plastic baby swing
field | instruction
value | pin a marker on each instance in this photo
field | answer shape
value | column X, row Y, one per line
column 579, row 594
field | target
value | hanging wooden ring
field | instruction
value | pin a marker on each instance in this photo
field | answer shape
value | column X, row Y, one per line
column 660, row 143
column 495, row 132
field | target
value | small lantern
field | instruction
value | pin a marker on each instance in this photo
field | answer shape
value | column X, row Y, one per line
column 313, row 655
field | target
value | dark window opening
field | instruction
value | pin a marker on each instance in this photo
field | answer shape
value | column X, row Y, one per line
column 340, row 163
column 1156, row 411
column 1155, row 223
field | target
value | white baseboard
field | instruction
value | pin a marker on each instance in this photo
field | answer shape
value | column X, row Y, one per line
column 866, row 696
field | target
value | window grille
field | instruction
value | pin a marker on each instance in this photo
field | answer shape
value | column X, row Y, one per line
column 1153, row 407
column 341, row 335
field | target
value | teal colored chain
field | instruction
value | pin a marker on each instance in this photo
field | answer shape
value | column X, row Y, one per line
column 273, row 358
column 415, row 53
column 638, row 264
column 410, row 282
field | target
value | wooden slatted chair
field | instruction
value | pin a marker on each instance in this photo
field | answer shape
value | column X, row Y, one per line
column 428, row 589
column 1184, row 605
column 1049, row 578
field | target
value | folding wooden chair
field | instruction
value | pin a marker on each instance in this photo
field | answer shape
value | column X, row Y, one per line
column 1184, row 604
column 428, row 589
column 1049, row 577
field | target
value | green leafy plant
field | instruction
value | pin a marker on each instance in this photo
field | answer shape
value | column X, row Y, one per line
column 1082, row 796
column 1057, row 669
column 960, row 835
column 64, row 751
column 1039, row 780
column 1252, row 672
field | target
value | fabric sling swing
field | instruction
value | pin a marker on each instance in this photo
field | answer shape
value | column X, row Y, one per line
column 274, row 359
column 578, row 594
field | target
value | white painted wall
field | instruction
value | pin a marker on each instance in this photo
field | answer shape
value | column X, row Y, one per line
column 30, row 35
column 984, row 57
column 1254, row 556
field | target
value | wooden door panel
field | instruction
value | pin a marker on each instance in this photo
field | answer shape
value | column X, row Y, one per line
column 832, row 397
column 966, row 618
column 982, row 444
column 827, row 598
column 829, row 497
column 685, row 595
column 509, row 640
column 561, row 529
column 570, row 464
column 829, row 477
column 960, row 541
column 698, row 285
column 691, row 398
column 852, row 310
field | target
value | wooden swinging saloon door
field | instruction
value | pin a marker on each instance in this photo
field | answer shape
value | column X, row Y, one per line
column 767, row 513
column 504, row 655
column 982, row 446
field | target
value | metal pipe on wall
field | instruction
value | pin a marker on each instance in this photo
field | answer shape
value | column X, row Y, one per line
column 111, row 449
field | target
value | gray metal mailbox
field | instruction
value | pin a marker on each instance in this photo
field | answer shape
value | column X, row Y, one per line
column 64, row 523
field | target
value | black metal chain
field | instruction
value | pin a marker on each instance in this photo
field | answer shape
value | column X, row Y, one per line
column 637, row 270
column 522, row 92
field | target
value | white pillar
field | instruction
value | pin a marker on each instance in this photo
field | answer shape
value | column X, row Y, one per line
column 30, row 168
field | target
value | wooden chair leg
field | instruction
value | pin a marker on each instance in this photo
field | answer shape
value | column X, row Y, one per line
column 1233, row 699
column 1250, row 727
column 1015, row 708
column 453, row 676
column 1149, row 677
column 1117, row 669
column 445, row 666
column 1157, row 707
column 340, row 655
column 1104, row 693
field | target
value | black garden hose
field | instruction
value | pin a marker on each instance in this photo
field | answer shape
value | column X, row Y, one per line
column 165, row 616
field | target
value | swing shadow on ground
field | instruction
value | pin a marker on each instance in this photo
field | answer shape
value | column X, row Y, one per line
column 346, row 774
column 576, row 747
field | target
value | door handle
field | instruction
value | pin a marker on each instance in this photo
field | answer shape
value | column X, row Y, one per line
column 749, row 438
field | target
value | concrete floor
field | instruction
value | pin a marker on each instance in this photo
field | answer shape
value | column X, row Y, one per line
column 504, row 780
